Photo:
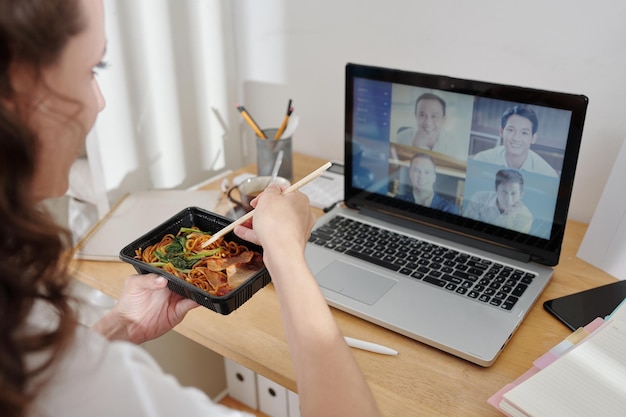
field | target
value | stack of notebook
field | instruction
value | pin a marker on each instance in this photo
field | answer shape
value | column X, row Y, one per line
column 583, row 375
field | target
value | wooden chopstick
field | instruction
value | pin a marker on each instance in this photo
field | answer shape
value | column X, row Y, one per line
column 249, row 215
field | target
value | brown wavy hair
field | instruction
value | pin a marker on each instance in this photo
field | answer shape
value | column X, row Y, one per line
column 33, row 249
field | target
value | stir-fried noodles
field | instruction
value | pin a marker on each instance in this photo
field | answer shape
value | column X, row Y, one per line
column 216, row 269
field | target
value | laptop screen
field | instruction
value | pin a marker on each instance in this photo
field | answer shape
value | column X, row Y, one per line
column 489, row 163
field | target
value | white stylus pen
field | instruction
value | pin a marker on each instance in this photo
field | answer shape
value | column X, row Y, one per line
column 369, row 346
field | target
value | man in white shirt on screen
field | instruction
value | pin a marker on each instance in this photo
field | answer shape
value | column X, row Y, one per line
column 518, row 132
column 430, row 118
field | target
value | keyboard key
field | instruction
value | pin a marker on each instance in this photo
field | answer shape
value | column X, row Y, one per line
column 509, row 303
column 435, row 281
column 372, row 259
column 475, row 271
column 519, row 290
column 452, row 279
column 500, row 295
column 417, row 275
column 495, row 302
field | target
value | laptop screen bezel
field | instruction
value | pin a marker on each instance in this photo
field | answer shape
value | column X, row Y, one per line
column 456, row 227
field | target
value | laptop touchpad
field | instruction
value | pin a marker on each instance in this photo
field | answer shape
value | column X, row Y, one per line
column 354, row 282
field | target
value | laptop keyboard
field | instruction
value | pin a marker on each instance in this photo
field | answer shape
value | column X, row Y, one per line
column 480, row 279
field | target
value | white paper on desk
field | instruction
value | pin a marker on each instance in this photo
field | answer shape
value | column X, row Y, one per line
column 604, row 244
column 325, row 190
column 137, row 214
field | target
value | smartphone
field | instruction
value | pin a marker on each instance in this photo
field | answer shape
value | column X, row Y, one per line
column 581, row 308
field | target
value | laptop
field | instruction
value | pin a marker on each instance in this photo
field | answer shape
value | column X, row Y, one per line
column 454, row 248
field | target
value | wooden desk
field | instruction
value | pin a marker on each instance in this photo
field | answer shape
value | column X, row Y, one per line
column 420, row 381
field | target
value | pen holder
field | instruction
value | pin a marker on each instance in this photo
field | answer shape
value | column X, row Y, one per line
column 267, row 151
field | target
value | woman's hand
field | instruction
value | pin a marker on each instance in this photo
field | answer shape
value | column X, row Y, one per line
column 282, row 225
column 145, row 310
column 280, row 220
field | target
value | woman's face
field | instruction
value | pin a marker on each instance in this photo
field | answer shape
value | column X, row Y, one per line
column 68, row 104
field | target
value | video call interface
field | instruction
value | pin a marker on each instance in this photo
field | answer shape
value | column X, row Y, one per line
column 493, row 161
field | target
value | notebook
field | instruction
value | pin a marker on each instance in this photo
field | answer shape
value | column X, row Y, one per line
column 470, row 229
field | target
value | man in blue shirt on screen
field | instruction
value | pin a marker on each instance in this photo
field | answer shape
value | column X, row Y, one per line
column 423, row 175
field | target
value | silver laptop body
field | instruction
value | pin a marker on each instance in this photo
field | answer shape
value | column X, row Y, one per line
column 476, row 328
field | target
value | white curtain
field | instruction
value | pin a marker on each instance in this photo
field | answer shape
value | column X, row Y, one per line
column 169, row 94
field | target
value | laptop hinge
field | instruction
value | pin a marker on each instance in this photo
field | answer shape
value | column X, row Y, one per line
column 441, row 232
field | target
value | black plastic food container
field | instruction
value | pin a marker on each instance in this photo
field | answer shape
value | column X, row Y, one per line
column 207, row 222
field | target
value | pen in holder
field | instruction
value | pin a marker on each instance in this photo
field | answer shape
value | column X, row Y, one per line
column 267, row 151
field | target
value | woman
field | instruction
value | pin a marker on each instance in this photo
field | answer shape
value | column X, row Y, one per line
column 51, row 366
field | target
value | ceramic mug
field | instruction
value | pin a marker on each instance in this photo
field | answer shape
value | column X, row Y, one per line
column 249, row 188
